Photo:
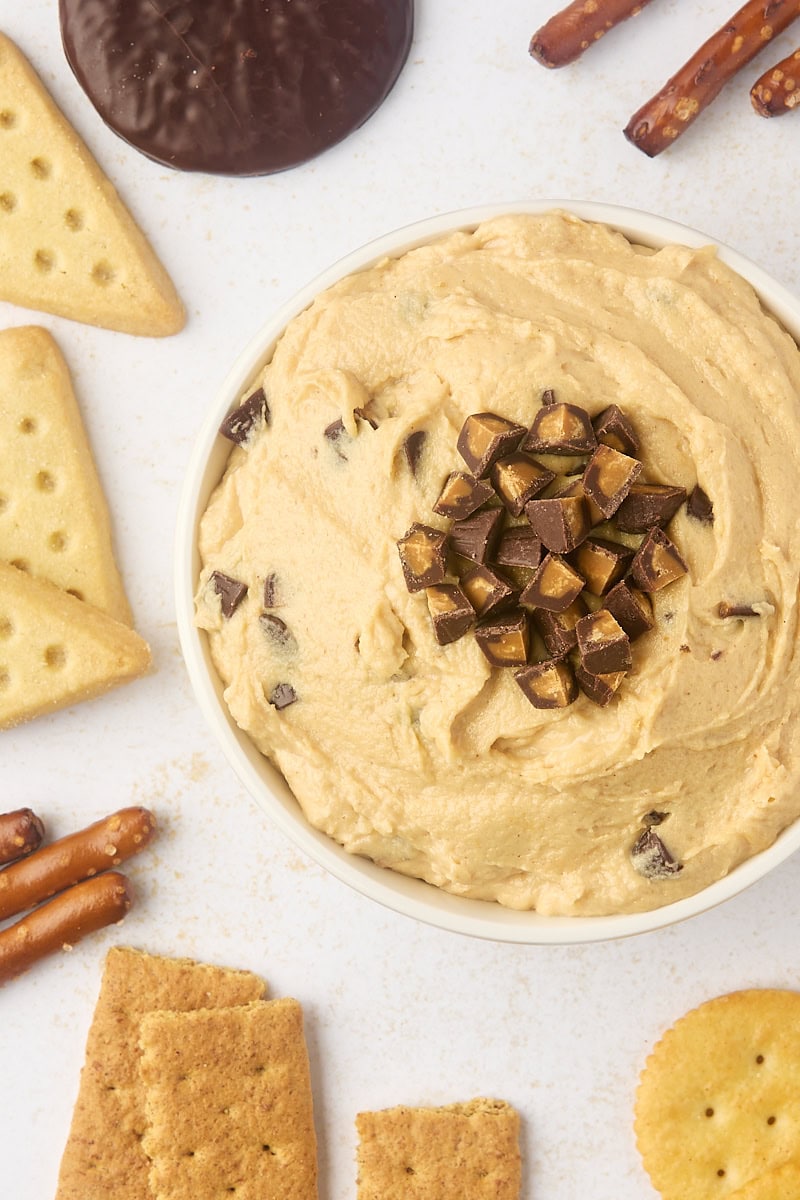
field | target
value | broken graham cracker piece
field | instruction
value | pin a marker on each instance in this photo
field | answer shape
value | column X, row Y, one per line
column 716, row 1104
column 103, row 1157
column 458, row 1152
column 56, row 651
column 53, row 515
column 228, row 1103
column 68, row 245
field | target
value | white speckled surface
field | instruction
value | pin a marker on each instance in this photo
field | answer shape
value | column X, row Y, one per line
column 396, row 1012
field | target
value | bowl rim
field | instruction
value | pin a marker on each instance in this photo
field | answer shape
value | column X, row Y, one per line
column 403, row 894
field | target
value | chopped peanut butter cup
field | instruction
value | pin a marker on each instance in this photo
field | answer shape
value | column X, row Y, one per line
column 423, row 556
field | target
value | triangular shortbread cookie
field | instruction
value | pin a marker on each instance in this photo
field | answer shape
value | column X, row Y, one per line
column 68, row 245
column 54, row 519
column 56, row 650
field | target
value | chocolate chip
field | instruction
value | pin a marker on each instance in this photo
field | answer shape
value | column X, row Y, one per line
column 657, row 562
column 505, row 640
column 608, row 478
column 725, row 610
column 603, row 644
column 517, row 478
column 282, row 695
column 699, row 506
column 240, row 425
column 600, row 689
column 487, row 591
column 231, row 592
column 631, row 609
column 275, row 629
column 518, row 547
column 451, row 612
column 461, row 495
column 560, row 429
column 602, row 563
column 486, row 437
column 554, row 586
column 338, row 436
column 423, row 556
column 548, row 396
column 271, row 590
column 412, row 448
column 612, row 428
column 651, row 858
column 367, row 417
column 561, row 522
column 647, row 505
column 654, row 817
column 477, row 536
column 548, row 684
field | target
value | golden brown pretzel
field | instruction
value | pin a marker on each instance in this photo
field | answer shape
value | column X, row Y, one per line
column 53, row 868
column 21, row 832
column 777, row 91
column 566, row 35
column 62, row 922
column 664, row 117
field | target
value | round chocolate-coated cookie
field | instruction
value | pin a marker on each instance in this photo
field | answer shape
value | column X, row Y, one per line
column 235, row 87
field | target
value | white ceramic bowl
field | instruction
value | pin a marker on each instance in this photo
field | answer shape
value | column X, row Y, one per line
column 265, row 784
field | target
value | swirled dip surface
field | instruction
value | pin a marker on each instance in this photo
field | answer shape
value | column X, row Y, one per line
column 423, row 757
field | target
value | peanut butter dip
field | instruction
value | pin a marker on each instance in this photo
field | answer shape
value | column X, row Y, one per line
column 425, row 757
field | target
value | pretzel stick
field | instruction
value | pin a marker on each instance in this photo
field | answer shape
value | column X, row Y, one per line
column 663, row 118
column 566, row 35
column 62, row 922
column 105, row 844
column 20, row 834
column 778, row 89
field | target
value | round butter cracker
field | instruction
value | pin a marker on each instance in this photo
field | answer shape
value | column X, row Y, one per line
column 716, row 1108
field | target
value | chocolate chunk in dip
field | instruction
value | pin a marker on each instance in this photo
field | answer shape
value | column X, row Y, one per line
column 240, row 425
column 600, row 689
column 647, row 505
column 603, row 644
column 282, row 695
column 608, row 478
column 451, row 612
column 423, row 556
column 518, row 547
column 554, row 586
column 699, row 506
column 231, row 592
column 461, row 495
column 549, row 684
column 505, row 640
column 651, row 858
column 657, row 563
column 631, row 609
column 517, row 478
column 487, row 591
column 560, row 429
column 412, row 448
column 560, row 522
column 484, row 438
column 276, row 630
column 243, row 88
column 477, row 536
column 612, row 428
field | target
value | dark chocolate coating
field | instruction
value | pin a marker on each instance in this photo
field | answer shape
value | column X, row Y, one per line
column 235, row 87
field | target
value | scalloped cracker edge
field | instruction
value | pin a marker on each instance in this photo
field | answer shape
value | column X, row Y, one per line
column 68, row 245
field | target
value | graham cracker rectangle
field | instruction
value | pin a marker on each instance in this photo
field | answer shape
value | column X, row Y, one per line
column 228, row 1104
column 466, row 1151
column 103, row 1158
